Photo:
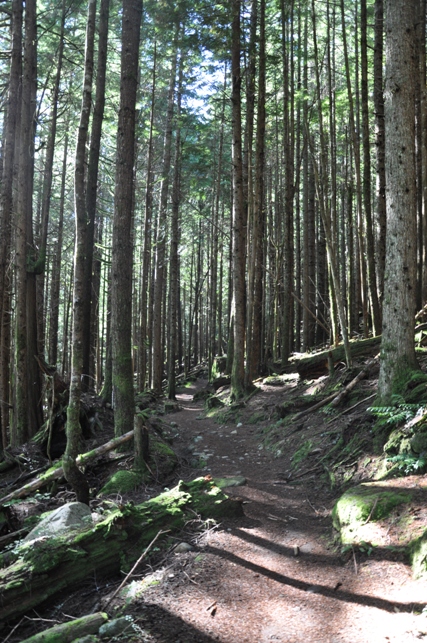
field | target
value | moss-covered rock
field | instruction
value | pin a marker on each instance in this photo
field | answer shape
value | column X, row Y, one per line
column 398, row 442
column 418, row 556
column 418, row 442
column 359, row 507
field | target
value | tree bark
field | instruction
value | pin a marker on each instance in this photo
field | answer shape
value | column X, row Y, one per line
column 254, row 347
column 122, row 258
column 72, row 473
column 6, row 214
column 380, row 142
column 239, row 223
column 22, row 430
column 398, row 347
column 91, row 196
column 173, row 258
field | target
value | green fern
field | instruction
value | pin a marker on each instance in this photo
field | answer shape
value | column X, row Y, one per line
column 391, row 416
column 409, row 464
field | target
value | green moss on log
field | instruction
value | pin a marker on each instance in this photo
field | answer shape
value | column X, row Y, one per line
column 45, row 567
column 69, row 632
column 122, row 482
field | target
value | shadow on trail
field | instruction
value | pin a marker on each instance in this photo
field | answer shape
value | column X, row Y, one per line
column 283, row 550
column 328, row 592
column 167, row 627
column 378, row 553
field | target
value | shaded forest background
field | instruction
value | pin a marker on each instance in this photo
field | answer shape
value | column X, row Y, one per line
column 209, row 183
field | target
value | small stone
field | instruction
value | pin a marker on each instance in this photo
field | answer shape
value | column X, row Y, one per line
column 233, row 432
column 239, row 424
column 314, row 589
column 182, row 548
column 296, row 550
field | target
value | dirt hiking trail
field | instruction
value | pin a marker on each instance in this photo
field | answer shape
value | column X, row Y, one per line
column 273, row 575
column 277, row 572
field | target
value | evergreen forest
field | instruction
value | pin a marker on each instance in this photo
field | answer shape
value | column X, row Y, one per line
column 182, row 182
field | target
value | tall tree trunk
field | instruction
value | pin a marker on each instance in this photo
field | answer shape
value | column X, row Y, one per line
column 288, row 153
column 47, row 181
column 173, row 258
column 6, row 205
column 159, row 280
column 56, row 267
column 354, row 129
column 22, row 430
column 423, row 126
column 148, row 224
column 397, row 346
column 88, row 375
column 72, row 473
column 254, row 349
column 239, row 237
column 370, row 241
column 122, row 259
column 380, row 143
column 321, row 184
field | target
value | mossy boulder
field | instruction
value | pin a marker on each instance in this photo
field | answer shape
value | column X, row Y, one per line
column 357, row 514
column 418, row 556
column 418, row 442
column 397, row 443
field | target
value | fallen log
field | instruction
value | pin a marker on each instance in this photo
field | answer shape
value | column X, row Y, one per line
column 56, row 472
column 347, row 389
column 336, row 398
column 317, row 363
column 41, row 568
column 69, row 632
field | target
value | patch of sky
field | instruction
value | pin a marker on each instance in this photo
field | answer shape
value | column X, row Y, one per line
column 207, row 81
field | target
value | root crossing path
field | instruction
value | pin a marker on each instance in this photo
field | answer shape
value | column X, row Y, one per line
column 275, row 574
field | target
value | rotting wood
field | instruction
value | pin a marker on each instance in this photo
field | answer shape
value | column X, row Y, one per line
column 305, row 366
column 68, row 632
column 42, row 568
column 57, row 472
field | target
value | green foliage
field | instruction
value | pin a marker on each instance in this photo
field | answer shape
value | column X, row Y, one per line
column 392, row 416
column 409, row 464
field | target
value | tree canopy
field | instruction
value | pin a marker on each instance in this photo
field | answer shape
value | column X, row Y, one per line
column 251, row 219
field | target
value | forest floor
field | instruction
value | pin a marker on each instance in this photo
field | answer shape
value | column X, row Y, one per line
column 277, row 573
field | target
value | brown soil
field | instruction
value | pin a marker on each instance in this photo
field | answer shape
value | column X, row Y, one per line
column 276, row 574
